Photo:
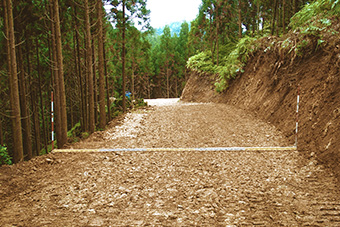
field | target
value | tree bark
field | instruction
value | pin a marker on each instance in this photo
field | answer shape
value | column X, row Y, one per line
column 14, row 89
column 26, row 120
column 107, row 85
column 274, row 16
column 217, row 36
column 89, row 68
column 34, row 102
column 62, row 139
column 80, row 75
column 239, row 19
column 95, row 87
column 123, row 58
column 284, row 16
column 1, row 133
column 54, row 72
column 102, row 112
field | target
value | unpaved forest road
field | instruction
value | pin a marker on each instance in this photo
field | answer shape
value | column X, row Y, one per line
column 270, row 188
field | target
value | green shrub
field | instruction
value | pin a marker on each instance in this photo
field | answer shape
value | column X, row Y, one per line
column 4, row 156
column 201, row 62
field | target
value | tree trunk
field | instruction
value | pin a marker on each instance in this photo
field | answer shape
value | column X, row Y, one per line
column 295, row 6
column 1, row 133
column 95, row 87
column 36, row 123
column 274, row 16
column 239, row 19
column 102, row 112
column 89, row 68
column 284, row 16
column 107, row 85
column 133, row 79
column 26, row 120
column 62, row 138
column 167, row 83
column 14, row 89
column 34, row 102
column 123, row 58
column 278, row 11
column 217, row 36
column 54, row 82
column 80, row 76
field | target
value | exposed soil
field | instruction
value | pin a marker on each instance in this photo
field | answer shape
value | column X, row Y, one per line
column 268, row 89
column 175, row 188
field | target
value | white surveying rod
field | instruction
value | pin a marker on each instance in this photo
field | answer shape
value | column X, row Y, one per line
column 297, row 116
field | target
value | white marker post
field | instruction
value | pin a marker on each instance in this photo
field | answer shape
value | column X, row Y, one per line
column 52, row 120
column 297, row 116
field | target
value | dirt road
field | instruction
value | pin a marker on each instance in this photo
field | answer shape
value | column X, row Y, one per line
column 182, row 188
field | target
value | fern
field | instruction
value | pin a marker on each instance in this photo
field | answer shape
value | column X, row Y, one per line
column 311, row 12
column 201, row 62
column 231, row 65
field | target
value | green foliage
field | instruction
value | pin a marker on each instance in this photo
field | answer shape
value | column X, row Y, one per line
column 315, row 15
column 5, row 159
column 231, row 65
column 75, row 132
column 201, row 62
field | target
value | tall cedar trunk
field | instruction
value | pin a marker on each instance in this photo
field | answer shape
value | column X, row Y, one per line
column 167, row 82
column 18, row 153
column 107, row 85
column 80, row 76
column 123, row 58
column 258, row 18
column 254, row 24
column 274, row 16
column 133, row 79
column 102, row 112
column 33, row 93
column 55, row 83
column 239, row 19
column 44, row 128
column 36, row 122
column 284, row 16
column 62, row 138
column 95, row 96
column 1, row 133
column 26, row 120
column 89, row 68
column 86, row 87
column 217, row 36
column 278, row 11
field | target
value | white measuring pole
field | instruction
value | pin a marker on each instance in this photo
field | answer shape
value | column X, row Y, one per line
column 52, row 120
column 297, row 116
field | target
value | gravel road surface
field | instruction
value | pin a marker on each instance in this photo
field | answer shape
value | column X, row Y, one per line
column 173, row 188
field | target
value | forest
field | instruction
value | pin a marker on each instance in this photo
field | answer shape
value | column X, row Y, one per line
column 86, row 58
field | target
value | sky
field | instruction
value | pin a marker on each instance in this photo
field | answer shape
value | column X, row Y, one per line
column 164, row 12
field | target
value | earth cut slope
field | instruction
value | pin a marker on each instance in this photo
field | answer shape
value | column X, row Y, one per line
column 268, row 89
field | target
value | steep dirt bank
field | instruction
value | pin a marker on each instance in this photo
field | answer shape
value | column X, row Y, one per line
column 268, row 87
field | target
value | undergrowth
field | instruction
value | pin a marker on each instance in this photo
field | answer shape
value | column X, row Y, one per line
column 5, row 159
column 231, row 65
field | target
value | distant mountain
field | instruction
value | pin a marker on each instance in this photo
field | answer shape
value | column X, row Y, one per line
column 175, row 27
